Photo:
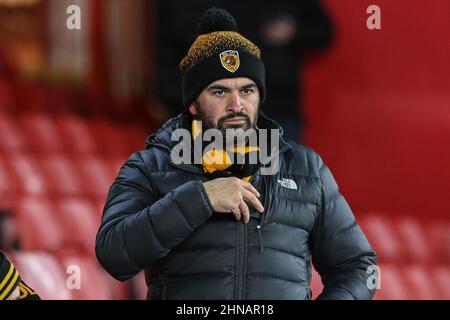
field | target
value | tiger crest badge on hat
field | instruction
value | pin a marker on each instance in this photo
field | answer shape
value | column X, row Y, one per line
column 230, row 60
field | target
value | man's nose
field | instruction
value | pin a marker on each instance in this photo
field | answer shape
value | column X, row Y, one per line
column 235, row 103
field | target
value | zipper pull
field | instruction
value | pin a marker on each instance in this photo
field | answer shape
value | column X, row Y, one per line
column 260, row 240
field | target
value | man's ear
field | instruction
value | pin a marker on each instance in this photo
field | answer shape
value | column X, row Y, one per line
column 193, row 108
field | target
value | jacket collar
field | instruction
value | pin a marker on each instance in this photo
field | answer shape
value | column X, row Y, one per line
column 162, row 137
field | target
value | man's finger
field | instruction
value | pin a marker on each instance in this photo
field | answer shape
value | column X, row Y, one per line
column 248, row 186
column 237, row 213
column 244, row 211
column 252, row 200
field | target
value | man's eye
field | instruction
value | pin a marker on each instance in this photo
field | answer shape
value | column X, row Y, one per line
column 248, row 91
column 219, row 92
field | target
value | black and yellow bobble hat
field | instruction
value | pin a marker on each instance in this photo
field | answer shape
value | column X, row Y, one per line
column 220, row 52
column 10, row 280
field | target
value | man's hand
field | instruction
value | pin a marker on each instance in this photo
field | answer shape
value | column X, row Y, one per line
column 232, row 195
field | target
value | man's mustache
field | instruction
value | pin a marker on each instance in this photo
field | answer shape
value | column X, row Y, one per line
column 234, row 115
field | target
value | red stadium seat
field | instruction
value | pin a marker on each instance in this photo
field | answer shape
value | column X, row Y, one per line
column 382, row 236
column 438, row 232
column 41, row 132
column 414, row 281
column 61, row 174
column 408, row 239
column 40, row 228
column 80, row 221
column 414, row 242
column 27, row 172
column 76, row 134
column 7, row 186
column 11, row 136
column 96, row 174
column 93, row 282
column 441, row 274
column 392, row 284
column 42, row 272
column 421, row 282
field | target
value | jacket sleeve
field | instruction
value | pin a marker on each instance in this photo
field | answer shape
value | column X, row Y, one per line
column 340, row 251
column 138, row 228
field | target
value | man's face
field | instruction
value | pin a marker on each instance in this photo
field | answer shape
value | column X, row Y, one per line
column 228, row 104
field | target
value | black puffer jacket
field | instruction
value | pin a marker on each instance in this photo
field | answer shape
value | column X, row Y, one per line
column 158, row 217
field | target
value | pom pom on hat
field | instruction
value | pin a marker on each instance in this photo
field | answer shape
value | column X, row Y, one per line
column 216, row 19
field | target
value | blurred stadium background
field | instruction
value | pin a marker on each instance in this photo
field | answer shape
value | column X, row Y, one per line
column 74, row 104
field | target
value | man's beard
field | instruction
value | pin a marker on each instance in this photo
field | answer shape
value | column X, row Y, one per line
column 208, row 122
column 233, row 136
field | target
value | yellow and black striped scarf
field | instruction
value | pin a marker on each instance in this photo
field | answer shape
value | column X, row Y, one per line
column 224, row 163
column 10, row 280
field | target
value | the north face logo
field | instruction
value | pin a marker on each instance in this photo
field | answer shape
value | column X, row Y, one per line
column 288, row 183
column 230, row 60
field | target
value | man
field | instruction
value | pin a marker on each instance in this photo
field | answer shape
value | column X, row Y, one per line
column 217, row 229
column 285, row 31
column 11, row 286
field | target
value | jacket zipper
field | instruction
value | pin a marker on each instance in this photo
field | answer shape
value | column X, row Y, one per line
column 258, row 227
column 240, row 273
column 260, row 240
column 261, row 223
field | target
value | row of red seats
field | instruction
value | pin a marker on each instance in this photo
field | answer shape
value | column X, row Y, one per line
column 55, row 175
column 53, row 276
column 55, row 225
column 67, row 275
column 413, row 256
column 405, row 282
column 408, row 239
column 41, row 132
column 56, row 277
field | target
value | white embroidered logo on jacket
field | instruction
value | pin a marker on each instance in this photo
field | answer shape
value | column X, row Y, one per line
column 288, row 183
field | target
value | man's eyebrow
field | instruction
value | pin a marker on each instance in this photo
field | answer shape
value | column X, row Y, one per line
column 218, row 87
column 248, row 86
column 225, row 88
